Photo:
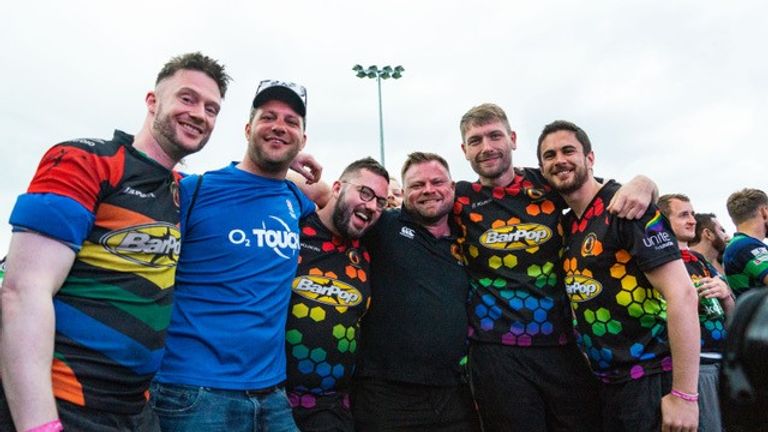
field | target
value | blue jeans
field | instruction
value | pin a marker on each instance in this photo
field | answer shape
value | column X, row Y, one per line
column 188, row 408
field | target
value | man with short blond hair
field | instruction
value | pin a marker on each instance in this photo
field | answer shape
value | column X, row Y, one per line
column 746, row 256
column 677, row 208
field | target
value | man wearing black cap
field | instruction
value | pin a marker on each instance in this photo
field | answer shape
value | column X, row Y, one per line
column 225, row 358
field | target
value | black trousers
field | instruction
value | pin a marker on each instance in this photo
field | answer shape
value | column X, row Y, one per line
column 381, row 405
column 534, row 389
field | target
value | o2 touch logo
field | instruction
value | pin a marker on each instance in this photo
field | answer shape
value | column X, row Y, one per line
column 276, row 235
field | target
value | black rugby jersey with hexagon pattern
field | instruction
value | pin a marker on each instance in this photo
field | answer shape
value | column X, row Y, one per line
column 712, row 330
column 331, row 293
column 511, row 240
column 620, row 317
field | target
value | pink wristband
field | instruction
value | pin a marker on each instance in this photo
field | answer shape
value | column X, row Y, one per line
column 53, row 426
column 685, row 396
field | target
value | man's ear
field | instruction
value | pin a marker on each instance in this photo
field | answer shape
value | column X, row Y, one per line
column 151, row 100
column 247, row 130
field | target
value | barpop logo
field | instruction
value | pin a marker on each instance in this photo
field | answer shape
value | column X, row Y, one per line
column 515, row 237
column 151, row 245
column 581, row 288
column 327, row 291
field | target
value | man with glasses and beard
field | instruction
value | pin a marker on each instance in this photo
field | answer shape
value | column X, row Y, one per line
column 331, row 293
column 87, row 293
column 224, row 363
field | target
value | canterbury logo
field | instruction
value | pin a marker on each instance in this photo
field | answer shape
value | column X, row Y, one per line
column 581, row 288
column 152, row 245
column 514, row 237
column 327, row 291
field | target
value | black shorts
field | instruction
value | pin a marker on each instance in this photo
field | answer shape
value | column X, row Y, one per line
column 381, row 405
column 533, row 389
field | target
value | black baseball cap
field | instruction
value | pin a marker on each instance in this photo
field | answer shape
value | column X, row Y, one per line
column 293, row 94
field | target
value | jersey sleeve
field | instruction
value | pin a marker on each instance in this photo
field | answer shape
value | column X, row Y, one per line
column 650, row 239
column 188, row 186
column 306, row 205
column 755, row 262
column 62, row 198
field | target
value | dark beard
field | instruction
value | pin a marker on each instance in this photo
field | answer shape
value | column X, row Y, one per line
column 341, row 217
column 580, row 177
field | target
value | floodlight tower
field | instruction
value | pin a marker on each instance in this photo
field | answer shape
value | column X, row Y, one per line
column 386, row 72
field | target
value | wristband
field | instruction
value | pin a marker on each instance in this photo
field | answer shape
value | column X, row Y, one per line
column 685, row 396
column 53, row 426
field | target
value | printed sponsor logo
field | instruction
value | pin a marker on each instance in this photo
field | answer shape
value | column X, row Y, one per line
column 534, row 194
column 151, row 245
column 658, row 241
column 292, row 212
column 131, row 191
column 326, row 291
column 656, row 236
column 760, row 254
column 89, row 142
column 481, row 203
column 655, row 224
column 514, row 237
column 310, row 247
column 407, row 232
column 353, row 254
column 282, row 241
column 581, row 288
column 591, row 246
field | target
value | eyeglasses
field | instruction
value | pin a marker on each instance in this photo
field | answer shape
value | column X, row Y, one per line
column 367, row 194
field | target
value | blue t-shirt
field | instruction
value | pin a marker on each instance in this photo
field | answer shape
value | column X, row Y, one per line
column 233, row 282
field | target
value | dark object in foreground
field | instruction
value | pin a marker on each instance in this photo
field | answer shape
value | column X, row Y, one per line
column 744, row 375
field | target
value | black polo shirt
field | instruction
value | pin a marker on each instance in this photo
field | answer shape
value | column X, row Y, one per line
column 415, row 330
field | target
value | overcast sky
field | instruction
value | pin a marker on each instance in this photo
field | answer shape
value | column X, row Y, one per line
column 673, row 90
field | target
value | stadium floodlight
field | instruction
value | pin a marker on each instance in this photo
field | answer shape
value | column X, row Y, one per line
column 385, row 72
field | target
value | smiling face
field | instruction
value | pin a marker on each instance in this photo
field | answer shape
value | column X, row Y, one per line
column 184, row 108
column 275, row 136
column 429, row 192
column 563, row 162
column 352, row 214
column 488, row 148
